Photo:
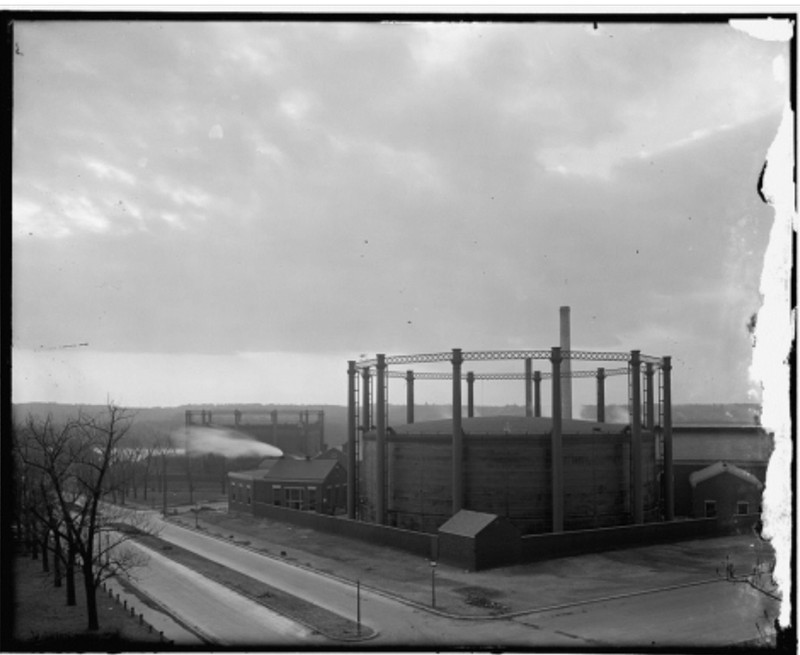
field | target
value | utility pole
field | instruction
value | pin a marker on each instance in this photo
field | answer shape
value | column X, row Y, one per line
column 358, row 607
column 164, row 483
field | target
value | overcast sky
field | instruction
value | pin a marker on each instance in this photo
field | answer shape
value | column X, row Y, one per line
column 229, row 211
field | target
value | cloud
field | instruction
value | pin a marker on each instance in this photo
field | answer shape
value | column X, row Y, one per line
column 325, row 188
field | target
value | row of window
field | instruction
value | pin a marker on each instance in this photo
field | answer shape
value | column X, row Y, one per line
column 742, row 507
column 240, row 492
column 293, row 497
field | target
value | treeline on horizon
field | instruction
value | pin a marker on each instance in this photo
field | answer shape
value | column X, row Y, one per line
column 154, row 423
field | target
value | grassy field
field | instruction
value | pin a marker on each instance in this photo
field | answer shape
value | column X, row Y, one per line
column 44, row 623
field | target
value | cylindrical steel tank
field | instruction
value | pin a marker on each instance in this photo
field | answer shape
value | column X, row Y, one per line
column 506, row 471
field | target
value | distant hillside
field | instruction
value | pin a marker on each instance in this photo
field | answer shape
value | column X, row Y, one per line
column 153, row 422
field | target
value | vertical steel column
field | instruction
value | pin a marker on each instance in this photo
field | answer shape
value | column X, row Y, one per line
column 351, row 440
column 669, row 483
column 649, row 402
column 409, row 397
column 566, row 366
column 380, row 441
column 528, row 389
column 637, row 492
column 470, row 394
column 537, row 393
column 556, row 450
column 458, row 442
column 366, row 415
column 601, row 395
column 274, row 418
column 188, row 417
column 237, row 417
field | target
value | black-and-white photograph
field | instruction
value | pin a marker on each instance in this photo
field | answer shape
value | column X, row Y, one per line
column 399, row 331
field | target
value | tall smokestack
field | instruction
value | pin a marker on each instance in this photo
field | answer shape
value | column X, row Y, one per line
column 566, row 366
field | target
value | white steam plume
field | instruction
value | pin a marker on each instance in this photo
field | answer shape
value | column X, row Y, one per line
column 229, row 443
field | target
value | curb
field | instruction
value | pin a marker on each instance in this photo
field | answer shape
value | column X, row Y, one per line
column 449, row 615
column 313, row 628
column 160, row 607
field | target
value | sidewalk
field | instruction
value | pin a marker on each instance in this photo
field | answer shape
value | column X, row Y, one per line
column 498, row 592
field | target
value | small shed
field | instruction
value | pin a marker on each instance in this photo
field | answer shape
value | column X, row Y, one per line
column 724, row 490
column 476, row 541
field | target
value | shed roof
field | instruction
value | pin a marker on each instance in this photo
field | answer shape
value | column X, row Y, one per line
column 467, row 523
column 723, row 467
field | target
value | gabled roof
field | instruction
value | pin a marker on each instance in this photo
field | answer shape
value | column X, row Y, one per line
column 723, row 467
column 300, row 470
column 467, row 523
column 290, row 470
column 248, row 476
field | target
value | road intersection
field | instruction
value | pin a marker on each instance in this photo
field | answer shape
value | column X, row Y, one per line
column 716, row 612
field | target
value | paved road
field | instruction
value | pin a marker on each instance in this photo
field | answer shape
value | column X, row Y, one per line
column 395, row 622
column 211, row 609
column 718, row 613
column 705, row 615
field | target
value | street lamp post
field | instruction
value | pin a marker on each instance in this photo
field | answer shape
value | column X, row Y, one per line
column 433, row 584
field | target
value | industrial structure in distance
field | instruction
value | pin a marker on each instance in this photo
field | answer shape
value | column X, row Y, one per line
column 495, row 490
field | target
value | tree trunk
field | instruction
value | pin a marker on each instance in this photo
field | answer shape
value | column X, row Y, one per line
column 91, row 595
column 57, row 555
column 70, row 575
column 45, row 554
column 34, row 544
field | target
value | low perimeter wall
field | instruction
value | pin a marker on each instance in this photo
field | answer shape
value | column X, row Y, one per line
column 418, row 543
column 578, row 542
column 533, row 548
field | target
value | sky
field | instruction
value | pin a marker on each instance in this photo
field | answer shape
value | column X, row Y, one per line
column 228, row 212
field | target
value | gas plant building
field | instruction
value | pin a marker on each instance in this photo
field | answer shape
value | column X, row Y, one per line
column 541, row 473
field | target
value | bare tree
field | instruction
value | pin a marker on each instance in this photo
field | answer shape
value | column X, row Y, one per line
column 76, row 460
column 38, row 504
column 147, row 465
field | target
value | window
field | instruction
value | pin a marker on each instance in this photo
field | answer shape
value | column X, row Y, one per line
column 276, row 494
column 711, row 509
column 294, row 497
column 742, row 507
column 312, row 499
